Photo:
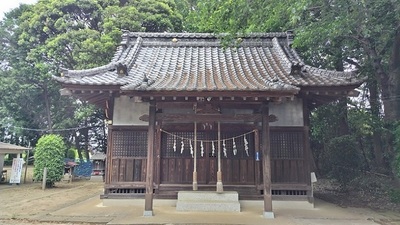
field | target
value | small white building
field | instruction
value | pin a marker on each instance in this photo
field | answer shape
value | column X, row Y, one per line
column 6, row 148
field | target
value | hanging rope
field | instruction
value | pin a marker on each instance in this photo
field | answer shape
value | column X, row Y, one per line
column 191, row 149
column 246, row 145
column 208, row 141
column 224, row 146
column 182, row 146
column 174, row 144
column 202, row 148
column 234, row 149
column 213, row 149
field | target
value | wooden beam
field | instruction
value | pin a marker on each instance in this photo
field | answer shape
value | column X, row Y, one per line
column 148, row 205
column 266, row 157
column 228, row 94
column 225, row 105
column 186, row 118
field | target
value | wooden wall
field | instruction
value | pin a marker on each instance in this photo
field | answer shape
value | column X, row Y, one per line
column 128, row 170
column 289, row 158
column 126, row 159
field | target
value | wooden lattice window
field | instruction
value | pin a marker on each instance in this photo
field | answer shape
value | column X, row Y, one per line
column 127, row 143
column 287, row 144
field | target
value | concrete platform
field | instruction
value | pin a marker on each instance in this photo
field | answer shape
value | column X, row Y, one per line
column 207, row 201
column 286, row 213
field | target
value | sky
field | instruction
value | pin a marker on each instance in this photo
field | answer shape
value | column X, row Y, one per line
column 7, row 5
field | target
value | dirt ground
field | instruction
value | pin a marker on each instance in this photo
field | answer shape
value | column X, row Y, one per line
column 28, row 200
column 371, row 192
column 24, row 204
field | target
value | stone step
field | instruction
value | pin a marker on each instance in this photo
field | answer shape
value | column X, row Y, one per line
column 208, row 206
column 208, row 201
column 208, row 196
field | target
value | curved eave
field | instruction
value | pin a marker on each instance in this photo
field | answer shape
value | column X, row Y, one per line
column 93, row 94
column 317, row 96
column 314, row 77
column 105, row 79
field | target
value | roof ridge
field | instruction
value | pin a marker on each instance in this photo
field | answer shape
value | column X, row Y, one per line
column 327, row 72
column 204, row 35
column 131, row 55
column 88, row 72
column 288, row 63
column 127, row 60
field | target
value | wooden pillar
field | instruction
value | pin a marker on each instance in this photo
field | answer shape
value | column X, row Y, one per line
column 148, row 205
column 220, row 187
column 307, row 164
column 195, row 158
column 257, row 157
column 157, row 154
column 308, row 158
column 266, row 162
column 109, row 158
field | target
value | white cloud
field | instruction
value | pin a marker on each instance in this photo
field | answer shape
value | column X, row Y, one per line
column 8, row 5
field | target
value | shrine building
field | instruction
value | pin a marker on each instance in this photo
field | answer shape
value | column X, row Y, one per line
column 188, row 113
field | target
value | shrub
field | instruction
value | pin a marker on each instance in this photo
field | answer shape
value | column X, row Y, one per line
column 344, row 159
column 395, row 196
column 396, row 158
column 71, row 154
column 49, row 153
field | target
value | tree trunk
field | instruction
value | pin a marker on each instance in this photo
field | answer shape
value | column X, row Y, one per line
column 394, row 86
column 48, row 111
column 394, row 79
column 343, row 120
column 376, row 136
column 78, row 147
column 86, row 135
column 342, row 104
column 383, row 79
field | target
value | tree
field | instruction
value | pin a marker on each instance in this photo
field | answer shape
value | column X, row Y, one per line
column 37, row 40
column 49, row 153
column 342, row 34
column 367, row 34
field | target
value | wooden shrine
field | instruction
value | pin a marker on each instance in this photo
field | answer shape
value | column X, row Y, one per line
column 187, row 113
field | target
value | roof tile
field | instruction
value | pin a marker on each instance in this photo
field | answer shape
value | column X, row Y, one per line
column 199, row 62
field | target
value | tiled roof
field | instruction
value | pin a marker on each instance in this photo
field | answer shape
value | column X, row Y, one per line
column 199, row 62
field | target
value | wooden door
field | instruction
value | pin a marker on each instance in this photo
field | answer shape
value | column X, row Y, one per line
column 237, row 157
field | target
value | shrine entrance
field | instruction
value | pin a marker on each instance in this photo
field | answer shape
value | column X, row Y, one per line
column 238, row 154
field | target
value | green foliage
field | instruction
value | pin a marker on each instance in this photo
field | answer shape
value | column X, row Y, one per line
column 242, row 16
column 71, row 154
column 396, row 161
column 343, row 159
column 394, row 196
column 37, row 40
column 49, row 153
